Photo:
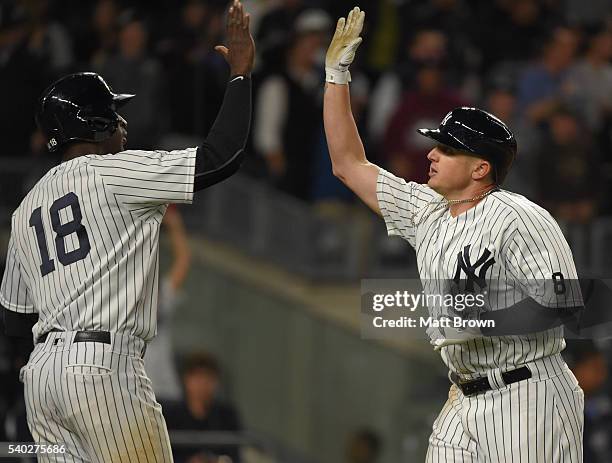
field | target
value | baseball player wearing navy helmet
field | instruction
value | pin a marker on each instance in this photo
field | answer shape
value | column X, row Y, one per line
column 512, row 397
column 82, row 264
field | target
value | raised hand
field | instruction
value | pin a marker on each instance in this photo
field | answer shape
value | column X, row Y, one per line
column 341, row 51
column 240, row 50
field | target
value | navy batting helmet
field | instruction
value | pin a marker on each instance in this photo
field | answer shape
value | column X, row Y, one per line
column 478, row 132
column 79, row 107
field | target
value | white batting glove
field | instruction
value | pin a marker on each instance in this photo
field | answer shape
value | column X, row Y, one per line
column 341, row 51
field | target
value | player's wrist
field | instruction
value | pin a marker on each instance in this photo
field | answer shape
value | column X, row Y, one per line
column 337, row 76
column 240, row 70
column 239, row 80
column 234, row 78
column 240, row 74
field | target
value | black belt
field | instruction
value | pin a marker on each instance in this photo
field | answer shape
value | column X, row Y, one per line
column 482, row 384
column 82, row 336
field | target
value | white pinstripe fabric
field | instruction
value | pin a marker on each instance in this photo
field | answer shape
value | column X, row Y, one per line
column 122, row 198
column 95, row 399
column 539, row 420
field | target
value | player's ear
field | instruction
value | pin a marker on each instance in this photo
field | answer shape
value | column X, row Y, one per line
column 481, row 169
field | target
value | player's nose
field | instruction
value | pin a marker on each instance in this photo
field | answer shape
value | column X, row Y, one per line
column 433, row 155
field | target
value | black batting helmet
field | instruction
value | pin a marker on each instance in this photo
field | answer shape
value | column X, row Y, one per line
column 79, row 107
column 480, row 133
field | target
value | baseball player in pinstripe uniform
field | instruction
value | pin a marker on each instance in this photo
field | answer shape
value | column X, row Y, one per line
column 82, row 261
column 513, row 398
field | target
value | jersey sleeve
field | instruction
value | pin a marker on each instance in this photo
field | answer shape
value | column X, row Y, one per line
column 14, row 292
column 399, row 202
column 540, row 260
column 148, row 177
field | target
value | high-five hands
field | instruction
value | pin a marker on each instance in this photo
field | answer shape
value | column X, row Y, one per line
column 341, row 51
column 240, row 50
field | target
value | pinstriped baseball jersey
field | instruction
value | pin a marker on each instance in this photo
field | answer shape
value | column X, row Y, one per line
column 511, row 242
column 83, row 251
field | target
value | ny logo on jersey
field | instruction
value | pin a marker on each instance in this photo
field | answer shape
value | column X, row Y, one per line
column 463, row 263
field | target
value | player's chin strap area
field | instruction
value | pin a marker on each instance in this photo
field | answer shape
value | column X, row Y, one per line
column 221, row 154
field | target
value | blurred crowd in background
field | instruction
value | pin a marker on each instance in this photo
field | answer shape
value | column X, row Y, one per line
column 542, row 66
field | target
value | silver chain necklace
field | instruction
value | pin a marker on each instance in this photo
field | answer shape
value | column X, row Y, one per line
column 475, row 198
column 450, row 202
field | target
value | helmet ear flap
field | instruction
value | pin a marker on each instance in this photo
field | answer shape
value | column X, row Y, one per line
column 55, row 137
column 53, row 143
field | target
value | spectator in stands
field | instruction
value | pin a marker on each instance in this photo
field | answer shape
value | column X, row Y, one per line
column 289, row 110
column 540, row 88
column 383, row 34
column 427, row 46
column 405, row 153
column 132, row 68
column 97, row 38
column 202, row 410
column 450, row 18
column 49, row 37
column 195, row 74
column 590, row 81
column 509, row 31
column 500, row 100
column 591, row 369
column 160, row 352
column 586, row 13
column 274, row 33
column 567, row 169
column 24, row 73
column 364, row 446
